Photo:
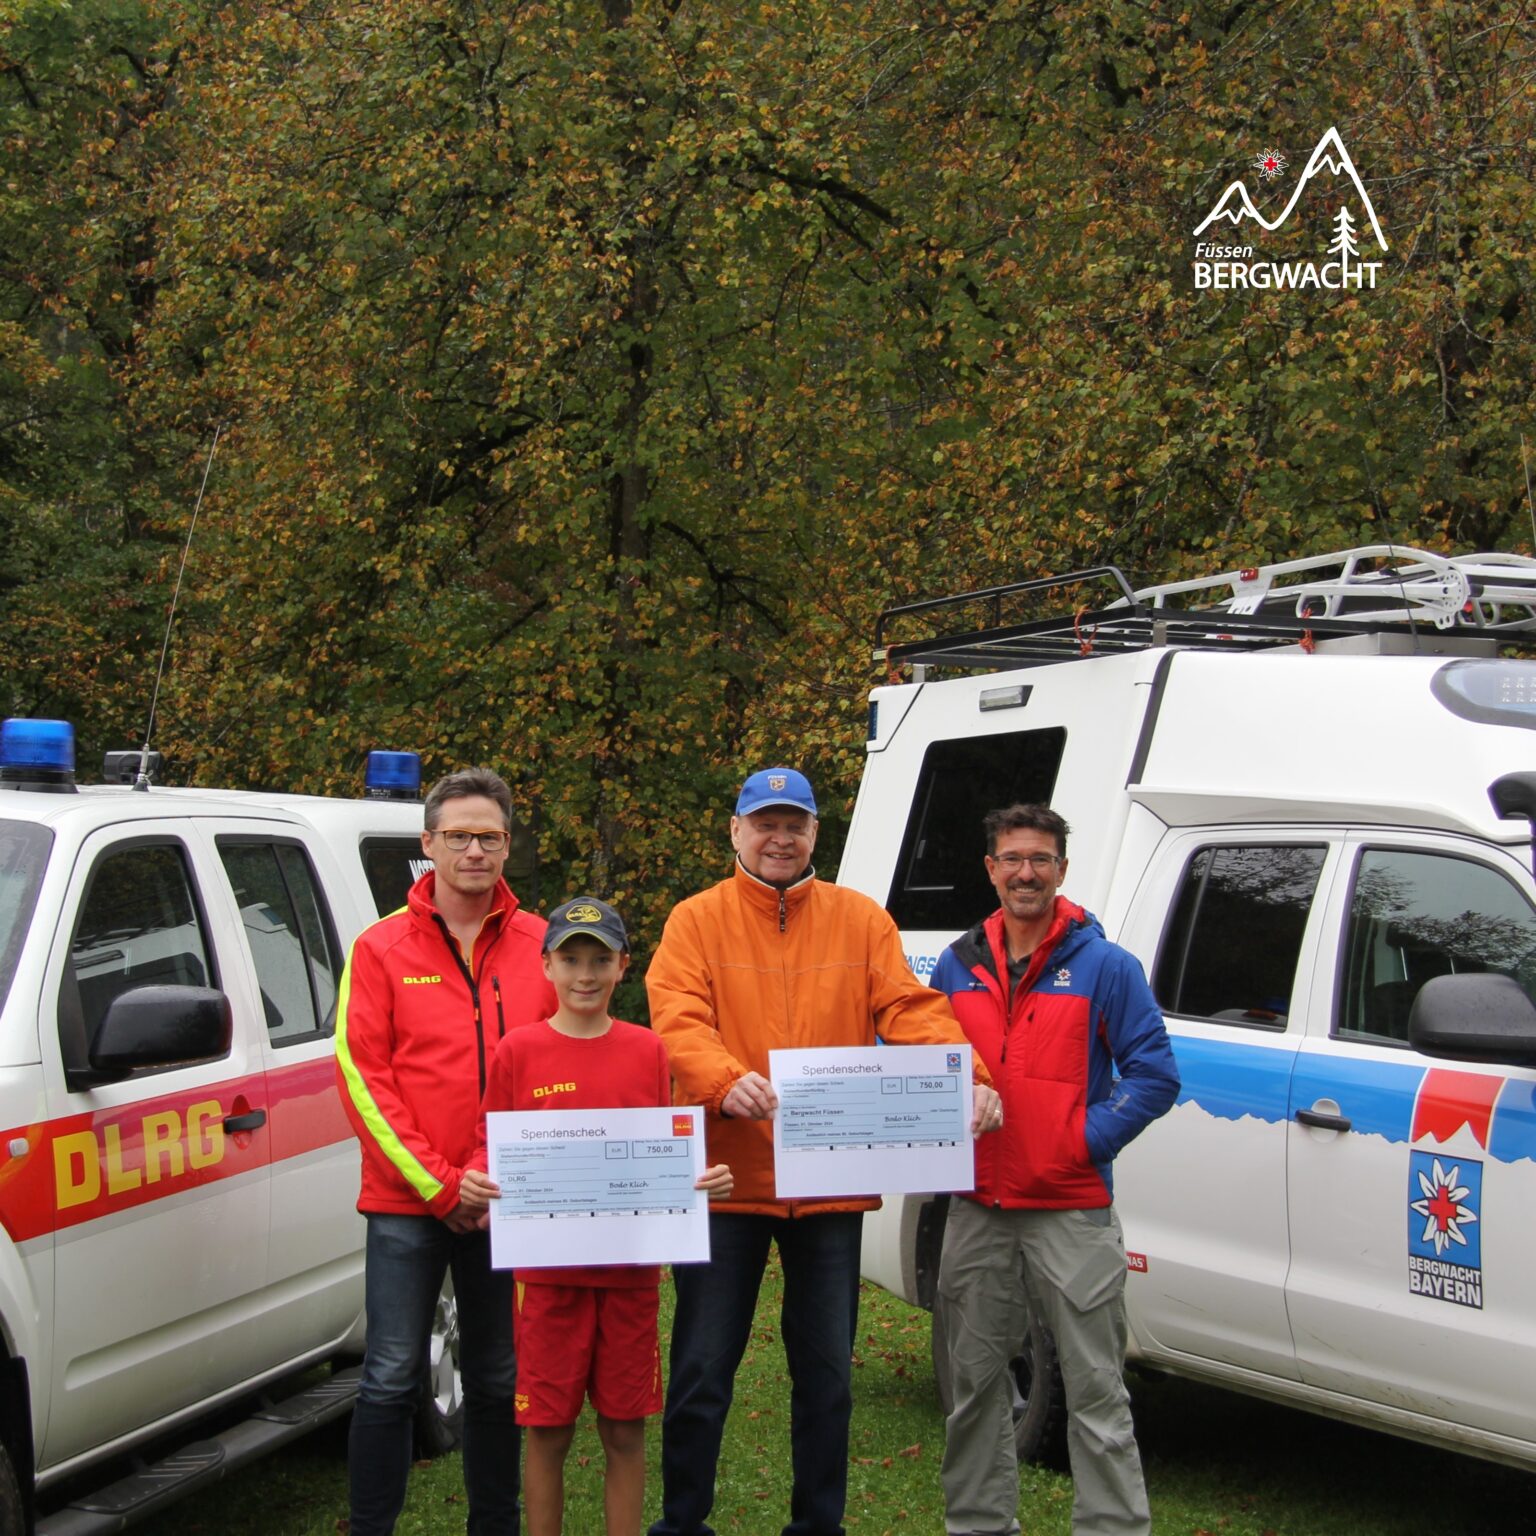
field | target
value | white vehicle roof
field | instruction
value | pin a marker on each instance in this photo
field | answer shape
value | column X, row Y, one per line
column 1312, row 693
column 103, row 804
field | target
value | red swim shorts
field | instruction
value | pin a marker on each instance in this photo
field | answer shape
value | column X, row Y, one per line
column 576, row 1341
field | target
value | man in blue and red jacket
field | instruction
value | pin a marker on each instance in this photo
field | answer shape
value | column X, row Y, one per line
column 427, row 995
column 1054, row 1010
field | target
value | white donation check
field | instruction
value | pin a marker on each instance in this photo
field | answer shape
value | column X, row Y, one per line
column 597, row 1186
column 875, row 1120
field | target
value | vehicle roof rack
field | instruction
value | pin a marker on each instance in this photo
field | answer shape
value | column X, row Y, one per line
column 1372, row 589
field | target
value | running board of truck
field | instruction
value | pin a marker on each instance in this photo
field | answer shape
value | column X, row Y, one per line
column 156, row 1484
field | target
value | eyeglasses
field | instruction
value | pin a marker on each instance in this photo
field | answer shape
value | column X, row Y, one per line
column 1041, row 863
column 491, row 842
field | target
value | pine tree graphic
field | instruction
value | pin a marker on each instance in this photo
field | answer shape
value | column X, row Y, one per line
column 1345, row 244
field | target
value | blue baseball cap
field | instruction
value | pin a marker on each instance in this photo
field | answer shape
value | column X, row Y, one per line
column 775, row 786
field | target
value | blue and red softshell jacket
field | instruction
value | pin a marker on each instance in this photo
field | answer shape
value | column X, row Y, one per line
column 1082, row 1011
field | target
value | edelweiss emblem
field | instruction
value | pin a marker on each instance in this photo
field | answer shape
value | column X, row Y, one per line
column 1063, row 977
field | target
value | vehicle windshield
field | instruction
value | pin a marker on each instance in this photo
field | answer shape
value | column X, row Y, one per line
column 23, row 857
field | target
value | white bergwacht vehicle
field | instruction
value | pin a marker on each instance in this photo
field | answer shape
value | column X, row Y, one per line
column 1303, row 796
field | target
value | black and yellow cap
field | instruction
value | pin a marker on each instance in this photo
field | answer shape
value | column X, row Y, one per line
column 586, row 915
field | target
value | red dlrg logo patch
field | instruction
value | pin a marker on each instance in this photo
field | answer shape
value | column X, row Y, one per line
column 682, row 1125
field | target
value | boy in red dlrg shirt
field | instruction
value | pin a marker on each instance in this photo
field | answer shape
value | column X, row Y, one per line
column 588, row 1331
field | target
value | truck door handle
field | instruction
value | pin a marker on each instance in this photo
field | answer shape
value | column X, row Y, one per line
column 234, row 1124
column 1309, row 1117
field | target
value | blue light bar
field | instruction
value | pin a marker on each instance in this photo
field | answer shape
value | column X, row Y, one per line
column 39, row 754
column 393, row 776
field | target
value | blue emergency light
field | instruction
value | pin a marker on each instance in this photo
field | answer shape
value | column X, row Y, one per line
column 393, row 776
column 37, row 754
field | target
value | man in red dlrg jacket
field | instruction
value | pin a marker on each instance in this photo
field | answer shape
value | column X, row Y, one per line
column 428, row 992
column 1076, row 1045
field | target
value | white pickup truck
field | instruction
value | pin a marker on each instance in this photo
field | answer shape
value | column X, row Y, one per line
column 1305, row 803
column 177, row 1178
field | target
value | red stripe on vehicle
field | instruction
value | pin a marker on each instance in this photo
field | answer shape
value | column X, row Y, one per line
column 1449, row 1100
column 81, row 1167
column 306, row 1109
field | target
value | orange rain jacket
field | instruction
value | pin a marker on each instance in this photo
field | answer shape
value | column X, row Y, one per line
column 744, row 968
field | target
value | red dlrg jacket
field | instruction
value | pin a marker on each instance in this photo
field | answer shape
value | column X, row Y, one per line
column 417, row 1024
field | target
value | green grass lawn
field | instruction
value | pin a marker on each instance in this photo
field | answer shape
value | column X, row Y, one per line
column 1217, row 1464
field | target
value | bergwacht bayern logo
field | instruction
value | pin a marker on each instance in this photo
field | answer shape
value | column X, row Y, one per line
column 1445, row 1250
column 1330, row 182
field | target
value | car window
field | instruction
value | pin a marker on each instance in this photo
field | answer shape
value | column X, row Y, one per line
column 139, row 926
column 290, row 933
column 941, row 879
column 392, row 866
column 23, row 857
column 1414, row 915
column 1234, row 936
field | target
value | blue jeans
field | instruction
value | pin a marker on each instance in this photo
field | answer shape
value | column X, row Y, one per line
column 715, row 1305
column 407, row 1258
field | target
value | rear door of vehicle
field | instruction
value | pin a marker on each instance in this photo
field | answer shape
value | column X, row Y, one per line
column 284, row 883
column 1411, row 1180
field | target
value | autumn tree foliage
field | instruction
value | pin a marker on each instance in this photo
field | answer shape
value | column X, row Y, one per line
column 590, row 373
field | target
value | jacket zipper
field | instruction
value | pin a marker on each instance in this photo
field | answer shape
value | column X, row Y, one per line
column 474, row 995
column 501, row 1018
column 1006, row 989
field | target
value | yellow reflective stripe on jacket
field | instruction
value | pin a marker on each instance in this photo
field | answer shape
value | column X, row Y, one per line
column 383, row 1133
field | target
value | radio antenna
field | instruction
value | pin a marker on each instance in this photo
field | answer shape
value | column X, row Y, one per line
column 1530, row 504
column 141, row 778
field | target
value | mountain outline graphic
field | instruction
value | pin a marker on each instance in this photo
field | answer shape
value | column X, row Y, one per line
column 1337, row 162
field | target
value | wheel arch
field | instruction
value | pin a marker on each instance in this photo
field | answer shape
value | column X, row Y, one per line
column 16, row 1428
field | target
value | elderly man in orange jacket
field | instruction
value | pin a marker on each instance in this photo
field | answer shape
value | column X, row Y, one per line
column 774, row 958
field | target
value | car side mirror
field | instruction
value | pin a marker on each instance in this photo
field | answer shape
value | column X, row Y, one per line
column 162, row 1027
column 1479, row 1016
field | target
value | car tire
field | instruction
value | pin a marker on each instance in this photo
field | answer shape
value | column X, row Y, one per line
column 1039, row 1397
column 13, row 1509
column 439, row 1421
